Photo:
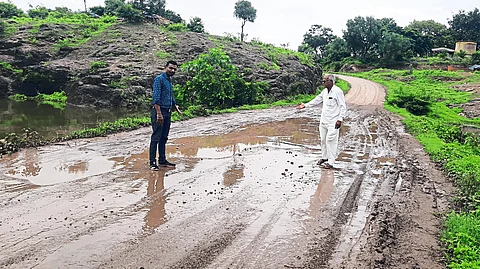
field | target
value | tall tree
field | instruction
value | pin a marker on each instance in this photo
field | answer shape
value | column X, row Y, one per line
column 111, row 6
column 317, row 38
column 245, row 12
column 156, row 6
column 432, row 32
column 362, row 36
column 336, row 51
column 466, row 26
column 394, row 48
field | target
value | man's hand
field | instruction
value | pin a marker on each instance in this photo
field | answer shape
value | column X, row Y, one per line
column 178, row 109
column 301, row 106
column 338, row 124
column 160, row 118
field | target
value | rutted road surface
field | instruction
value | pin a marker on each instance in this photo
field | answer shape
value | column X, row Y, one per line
column 246, row 193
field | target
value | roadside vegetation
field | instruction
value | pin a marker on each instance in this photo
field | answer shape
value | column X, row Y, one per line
column 426, row 101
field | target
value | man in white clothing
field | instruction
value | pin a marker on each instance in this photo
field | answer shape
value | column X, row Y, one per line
column 333, row 111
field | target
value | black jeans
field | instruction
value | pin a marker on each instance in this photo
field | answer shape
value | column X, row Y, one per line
column 160, row 134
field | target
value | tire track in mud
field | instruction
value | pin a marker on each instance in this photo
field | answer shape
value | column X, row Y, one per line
column 366, row 147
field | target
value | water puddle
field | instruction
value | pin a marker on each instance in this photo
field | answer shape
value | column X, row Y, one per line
column 32, row 169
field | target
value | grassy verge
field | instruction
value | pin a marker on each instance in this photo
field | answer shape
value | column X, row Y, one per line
column 426, row 101
column 56, row 99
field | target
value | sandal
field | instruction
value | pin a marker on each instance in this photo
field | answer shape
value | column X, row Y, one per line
column 321, row 161
column 328, row 166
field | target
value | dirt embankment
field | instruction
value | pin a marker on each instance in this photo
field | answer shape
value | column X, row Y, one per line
column 117, row 67
column 246, row 193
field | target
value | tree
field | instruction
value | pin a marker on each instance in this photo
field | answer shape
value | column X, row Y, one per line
column 129, row 13
column 362, row 36
column 466, row 26
column 317, row 38
column 9, row 10
column 38, row 12
column 389, row 25
column 393, row 48
column 421, row 45
column 245, row 12
column 111, row 6
column 99, row 10
column 196, row 25
column 336, row 51
column 436, row 33
column 156, row 6
column 172, row 16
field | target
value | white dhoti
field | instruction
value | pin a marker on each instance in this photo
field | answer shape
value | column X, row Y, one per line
column 329, row 141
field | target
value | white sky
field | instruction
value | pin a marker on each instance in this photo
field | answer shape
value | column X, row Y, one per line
column 286, row 21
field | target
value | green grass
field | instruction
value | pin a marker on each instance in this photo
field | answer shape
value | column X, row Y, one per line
column 438, row 128
column 462, row 238
column 274, row 53
column 163, row 54
column 83, row 27
column 56, row 99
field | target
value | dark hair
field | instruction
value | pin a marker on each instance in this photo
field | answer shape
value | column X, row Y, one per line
column 171, row 62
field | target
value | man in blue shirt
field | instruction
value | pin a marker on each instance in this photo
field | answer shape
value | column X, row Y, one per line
column 162, row 104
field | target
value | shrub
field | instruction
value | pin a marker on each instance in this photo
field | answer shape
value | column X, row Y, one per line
column 9, row 10
column 416, row 103
column 196, row 25
column 476, row 57
column 39, row 12
column 96, row 65
column 129, row 13
column 177, row 27
column 215, row 83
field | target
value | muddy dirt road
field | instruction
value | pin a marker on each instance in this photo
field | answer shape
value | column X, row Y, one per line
column 246, row 193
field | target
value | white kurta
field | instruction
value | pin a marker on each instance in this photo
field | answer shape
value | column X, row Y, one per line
column 334, row 109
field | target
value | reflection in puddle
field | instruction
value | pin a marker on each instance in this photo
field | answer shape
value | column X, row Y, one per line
column 156, row 214
column 297, row 131
column 38, row 172
column 323, row 192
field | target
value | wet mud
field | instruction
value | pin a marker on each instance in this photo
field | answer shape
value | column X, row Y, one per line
column 246, row 193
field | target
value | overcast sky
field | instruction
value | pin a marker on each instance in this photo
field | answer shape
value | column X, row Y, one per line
column 286, row 21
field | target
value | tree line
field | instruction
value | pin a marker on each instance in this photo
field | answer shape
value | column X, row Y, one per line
column 381, row 41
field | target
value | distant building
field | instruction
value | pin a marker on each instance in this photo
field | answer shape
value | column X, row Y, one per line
column 468, row 47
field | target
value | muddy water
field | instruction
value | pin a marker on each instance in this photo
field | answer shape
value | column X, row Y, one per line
column 51, row 122
column 246, row 193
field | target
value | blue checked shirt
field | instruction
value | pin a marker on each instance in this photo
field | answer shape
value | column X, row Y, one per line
column 163, row 92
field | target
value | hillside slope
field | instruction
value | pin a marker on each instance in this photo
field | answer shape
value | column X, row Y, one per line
column 117, row 66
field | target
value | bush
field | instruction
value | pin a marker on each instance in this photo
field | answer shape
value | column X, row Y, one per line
column 96, row 65
column 9, row 10
column 461, row 54
column 99, row 10
column 196, row 25
column 172, row 16
column 416, row 103
column 38, row 12
column 476, row 57
column 215, row 83
column 177, row 27
column 129, row 13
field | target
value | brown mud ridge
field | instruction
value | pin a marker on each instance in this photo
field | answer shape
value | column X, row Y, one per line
column 246, row 193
